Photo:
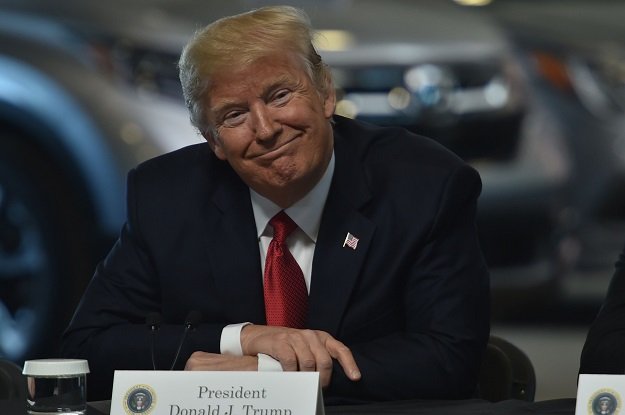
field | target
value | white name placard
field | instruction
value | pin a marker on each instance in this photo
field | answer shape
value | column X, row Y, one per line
column 600, row 394
column 216, row 393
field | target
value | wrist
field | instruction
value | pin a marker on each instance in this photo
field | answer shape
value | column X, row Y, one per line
column 244, row 338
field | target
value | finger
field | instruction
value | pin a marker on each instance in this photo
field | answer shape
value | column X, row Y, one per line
column 344, row 356
column 220, row 362
column 323, row 360
column 305, row 358
column 197, row 360
column 238, row 363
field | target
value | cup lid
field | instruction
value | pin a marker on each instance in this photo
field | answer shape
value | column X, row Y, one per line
column 55, row 367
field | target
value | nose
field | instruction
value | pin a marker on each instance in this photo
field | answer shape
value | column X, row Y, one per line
column 264, row 124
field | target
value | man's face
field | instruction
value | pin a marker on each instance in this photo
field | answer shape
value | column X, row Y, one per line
column 273, row 126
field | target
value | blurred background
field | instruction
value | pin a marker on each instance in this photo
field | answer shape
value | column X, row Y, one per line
column 530, row 92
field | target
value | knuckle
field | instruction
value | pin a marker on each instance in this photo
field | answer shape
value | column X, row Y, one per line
column 308, row 332
column 324, row 364
column 308, row 364
column 288, row 361
column 283, row 336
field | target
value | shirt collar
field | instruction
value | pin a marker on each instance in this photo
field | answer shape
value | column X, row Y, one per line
column 306, row 212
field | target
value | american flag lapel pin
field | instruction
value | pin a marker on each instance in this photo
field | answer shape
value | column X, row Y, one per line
column 350, row 241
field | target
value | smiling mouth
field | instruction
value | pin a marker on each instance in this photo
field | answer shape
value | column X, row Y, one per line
column 277, row 151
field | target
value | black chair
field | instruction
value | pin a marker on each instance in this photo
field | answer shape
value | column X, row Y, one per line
column 12, row 382
column 506, row 373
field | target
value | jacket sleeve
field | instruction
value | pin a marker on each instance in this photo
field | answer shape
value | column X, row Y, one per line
column 109, row 326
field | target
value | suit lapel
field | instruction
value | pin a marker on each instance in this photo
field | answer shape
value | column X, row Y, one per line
column 336, row 266
column 232, row 246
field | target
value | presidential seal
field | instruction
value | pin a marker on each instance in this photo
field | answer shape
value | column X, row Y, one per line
column 140, row 399
column 604, row 402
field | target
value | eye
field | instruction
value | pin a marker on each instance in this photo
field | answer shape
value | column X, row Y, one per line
column 281, row 96
column 233, row 118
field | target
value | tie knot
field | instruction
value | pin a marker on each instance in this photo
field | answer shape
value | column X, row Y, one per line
column 282, row 225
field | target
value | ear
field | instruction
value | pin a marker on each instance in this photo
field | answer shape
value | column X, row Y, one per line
column 329, row 102
column 214, row 142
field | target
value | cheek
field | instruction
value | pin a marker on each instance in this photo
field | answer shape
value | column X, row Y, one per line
column 215, row 145
column 229, row 145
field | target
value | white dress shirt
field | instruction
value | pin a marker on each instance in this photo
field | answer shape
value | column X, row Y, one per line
column 306, row 213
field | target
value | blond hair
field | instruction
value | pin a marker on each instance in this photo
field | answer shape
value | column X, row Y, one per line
column 239, row 40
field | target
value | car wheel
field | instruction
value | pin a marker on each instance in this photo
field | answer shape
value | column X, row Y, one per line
column 38, row 243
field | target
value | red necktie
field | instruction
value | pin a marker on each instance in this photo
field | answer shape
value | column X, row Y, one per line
column 286, row 297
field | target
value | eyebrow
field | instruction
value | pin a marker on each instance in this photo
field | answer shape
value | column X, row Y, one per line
column 226, row 104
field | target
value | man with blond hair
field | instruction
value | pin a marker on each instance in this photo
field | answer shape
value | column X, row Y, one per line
column 306, row 240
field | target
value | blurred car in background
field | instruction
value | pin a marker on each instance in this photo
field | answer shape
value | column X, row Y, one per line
column 70, row 129
column 88, row 90
column 573, row 54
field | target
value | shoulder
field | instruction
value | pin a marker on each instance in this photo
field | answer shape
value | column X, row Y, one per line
column 181, row 174
column 178, row 160
column 185, row 165
column 375, row 144
column 396, row 154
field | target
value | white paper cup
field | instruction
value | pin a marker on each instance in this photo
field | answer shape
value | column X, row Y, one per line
column 56, row 386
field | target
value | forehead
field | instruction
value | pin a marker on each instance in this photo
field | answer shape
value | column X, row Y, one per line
column 256, row 76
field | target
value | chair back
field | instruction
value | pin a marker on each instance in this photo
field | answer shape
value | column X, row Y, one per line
column 506, row 373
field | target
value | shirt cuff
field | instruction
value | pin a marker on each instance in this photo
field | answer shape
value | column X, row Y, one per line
column 230, row 342
column 267, row 363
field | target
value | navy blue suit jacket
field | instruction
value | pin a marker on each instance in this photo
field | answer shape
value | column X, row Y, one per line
column 411, row 301
column 604, row 349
